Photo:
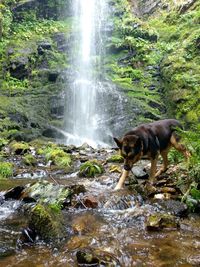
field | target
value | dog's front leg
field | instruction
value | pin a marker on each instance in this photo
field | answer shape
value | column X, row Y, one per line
column 153, row 169
column 122, row 179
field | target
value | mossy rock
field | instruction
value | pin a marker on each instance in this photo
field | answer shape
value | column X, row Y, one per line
column 47, row 222
column 116, row 158
column 6, row 170
column 49, row 193
column 19, row 148
column 58, row 156
column 160, row 221
column 96, row 257
column 29, row 160
column 91, row 168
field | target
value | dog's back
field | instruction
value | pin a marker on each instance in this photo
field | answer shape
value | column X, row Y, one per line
column 155, row 135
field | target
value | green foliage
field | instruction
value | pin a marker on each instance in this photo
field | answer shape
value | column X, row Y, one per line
column 91, row 168
column 6, row 170
column 56, row 155
column 19, row 147
column 180, row 66
column 3, row 142
column 116, row 158
column 47, row 221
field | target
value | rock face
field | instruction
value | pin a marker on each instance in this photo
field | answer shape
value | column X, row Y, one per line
column 149, row 7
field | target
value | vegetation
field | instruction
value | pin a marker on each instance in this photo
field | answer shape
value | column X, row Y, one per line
column 6, row 170
column 132, row 63
column 56, row 155
column 91, row 168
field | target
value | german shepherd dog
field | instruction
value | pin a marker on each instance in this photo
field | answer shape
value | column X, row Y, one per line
column 150, row 139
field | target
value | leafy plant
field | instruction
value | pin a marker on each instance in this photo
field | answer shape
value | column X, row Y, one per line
column 91, row 168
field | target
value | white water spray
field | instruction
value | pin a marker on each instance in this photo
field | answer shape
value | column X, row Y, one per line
column 84, row 118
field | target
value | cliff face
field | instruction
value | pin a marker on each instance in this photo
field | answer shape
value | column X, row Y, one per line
column 177, row 26
column 151, row 7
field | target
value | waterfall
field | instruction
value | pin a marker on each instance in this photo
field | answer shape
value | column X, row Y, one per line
column 84, row 118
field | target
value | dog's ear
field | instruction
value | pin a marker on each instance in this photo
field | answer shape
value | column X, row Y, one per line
column 118, row 142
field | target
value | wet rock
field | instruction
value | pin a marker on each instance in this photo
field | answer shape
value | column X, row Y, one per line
column 14, row 193
column 27, row 236
column 43, row 47
column 90, row 257
column 47, row 222
column 87, row 258
column 52, row 76
column 139, row 172
column 149, row 189
column 19, row 67
column 90, row 202
column 174, row 207
column 61, row 42
column 158, row 221
column 45, row 192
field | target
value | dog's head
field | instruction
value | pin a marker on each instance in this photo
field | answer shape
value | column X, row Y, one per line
column 131, row 150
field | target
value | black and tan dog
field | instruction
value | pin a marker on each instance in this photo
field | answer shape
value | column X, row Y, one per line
column 149, row 140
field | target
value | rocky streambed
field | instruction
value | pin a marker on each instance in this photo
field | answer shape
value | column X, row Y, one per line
column 58, row 208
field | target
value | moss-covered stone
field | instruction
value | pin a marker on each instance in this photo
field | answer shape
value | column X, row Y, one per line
column 19, row 148
column 159, row 221
column 47, row 222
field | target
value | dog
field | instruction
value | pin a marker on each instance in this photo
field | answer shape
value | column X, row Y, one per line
column 151, row 140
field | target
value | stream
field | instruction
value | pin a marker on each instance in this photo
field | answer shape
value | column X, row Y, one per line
column 116, row 231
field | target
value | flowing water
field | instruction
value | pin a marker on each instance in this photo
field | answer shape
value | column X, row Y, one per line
column 83, row 118
column 89, row 98
column 116, row 232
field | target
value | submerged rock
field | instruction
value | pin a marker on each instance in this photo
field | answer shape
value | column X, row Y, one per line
column 158, row 221
column 90, row 257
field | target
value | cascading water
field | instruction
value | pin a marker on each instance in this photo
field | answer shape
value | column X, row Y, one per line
column 85, row 116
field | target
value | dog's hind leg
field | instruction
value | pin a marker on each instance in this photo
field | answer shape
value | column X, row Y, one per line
column 180, row 147
column 163, row 154
column 121, row 180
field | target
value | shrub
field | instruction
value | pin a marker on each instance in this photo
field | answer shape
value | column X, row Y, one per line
column 91, row 168
column 6, row 169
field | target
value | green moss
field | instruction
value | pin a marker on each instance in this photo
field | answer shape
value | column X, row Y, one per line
column 47, row 222
column 115, row 158
column 57, row 155
column 19, row 147
column 6, row 170
column 91, row 168
column 29, row 160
